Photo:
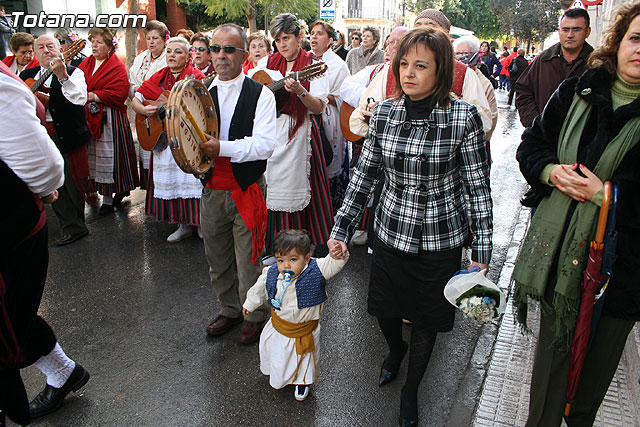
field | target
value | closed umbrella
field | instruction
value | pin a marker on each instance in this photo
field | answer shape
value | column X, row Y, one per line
column 593, row 282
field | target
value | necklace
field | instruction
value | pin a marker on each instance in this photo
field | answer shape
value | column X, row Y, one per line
column 152, row 58
column 291, row 60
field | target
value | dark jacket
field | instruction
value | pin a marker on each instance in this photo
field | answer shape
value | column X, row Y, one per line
column 492, row 63
column 537, row 84
column 539, row 148
column 517, row 68
column 342, row 52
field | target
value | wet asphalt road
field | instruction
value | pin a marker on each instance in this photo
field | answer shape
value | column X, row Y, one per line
column 133, row 309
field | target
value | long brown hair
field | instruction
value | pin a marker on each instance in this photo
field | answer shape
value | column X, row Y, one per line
column 438, row 42
column 606, row 54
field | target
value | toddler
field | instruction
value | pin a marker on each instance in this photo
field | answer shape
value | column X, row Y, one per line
column 294, row 287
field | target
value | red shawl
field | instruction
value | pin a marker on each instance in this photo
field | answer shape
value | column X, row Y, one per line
column 163, row 80
column 9, row 60
column 293, row 107
column 248, row 65
column 110, row 83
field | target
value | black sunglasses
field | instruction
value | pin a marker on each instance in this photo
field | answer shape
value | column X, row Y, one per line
column 200, row 49
column 355, row 38
column 62, row 41
column 215, row 48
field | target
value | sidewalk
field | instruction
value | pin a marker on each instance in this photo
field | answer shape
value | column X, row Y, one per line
column 504, row 398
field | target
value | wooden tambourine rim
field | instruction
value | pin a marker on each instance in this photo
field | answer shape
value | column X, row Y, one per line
column 174, row 114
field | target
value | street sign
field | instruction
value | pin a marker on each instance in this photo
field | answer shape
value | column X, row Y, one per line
column 327, row 9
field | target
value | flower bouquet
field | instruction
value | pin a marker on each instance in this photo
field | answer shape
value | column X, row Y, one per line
column 475, row 295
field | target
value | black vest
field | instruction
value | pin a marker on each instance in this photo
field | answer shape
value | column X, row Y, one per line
column 245, row 173
column 68, row 119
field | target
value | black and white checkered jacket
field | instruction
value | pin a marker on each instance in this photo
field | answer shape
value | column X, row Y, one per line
column 436, row 194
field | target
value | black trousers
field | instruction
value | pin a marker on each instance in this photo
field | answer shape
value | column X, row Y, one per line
column 24, row 270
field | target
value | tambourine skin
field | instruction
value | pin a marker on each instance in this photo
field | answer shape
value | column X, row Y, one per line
column 190, row 96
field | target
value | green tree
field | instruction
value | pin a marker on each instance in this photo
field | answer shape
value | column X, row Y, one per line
column 532, row 21
column 475, row 15
column 199, row 19
column 248, row 9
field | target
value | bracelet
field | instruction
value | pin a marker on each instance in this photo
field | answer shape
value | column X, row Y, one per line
column 303, row 94
column 66, row 79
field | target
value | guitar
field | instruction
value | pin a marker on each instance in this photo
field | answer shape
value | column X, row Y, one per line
column 345, row 115
column 45, row 73
column 308, row 73
column 150, row 128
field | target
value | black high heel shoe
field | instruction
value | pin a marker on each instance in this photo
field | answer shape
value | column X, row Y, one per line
column 388, row 375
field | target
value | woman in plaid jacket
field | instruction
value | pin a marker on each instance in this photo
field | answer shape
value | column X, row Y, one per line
column 436, row 199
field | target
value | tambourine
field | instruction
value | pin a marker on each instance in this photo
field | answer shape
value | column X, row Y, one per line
column 190, row 114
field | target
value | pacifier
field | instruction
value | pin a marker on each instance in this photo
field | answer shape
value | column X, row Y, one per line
column 288, row 274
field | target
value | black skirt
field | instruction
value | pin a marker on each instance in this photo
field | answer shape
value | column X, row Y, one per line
column 410, row 286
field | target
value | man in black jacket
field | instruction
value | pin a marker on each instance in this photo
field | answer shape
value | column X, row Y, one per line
column 67, row 127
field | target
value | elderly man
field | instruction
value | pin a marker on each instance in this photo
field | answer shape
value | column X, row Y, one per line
column 466, row 49
column 368, row 53
column 565, row 59
column 22, row 48
column 233, row 212
column 67, row 126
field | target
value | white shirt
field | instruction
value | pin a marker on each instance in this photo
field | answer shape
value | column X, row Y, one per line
column 74, row 89
column 24, row 144
column 260, row 145
column 353, row 86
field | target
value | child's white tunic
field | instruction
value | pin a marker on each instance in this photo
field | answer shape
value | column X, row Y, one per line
column 278, row 357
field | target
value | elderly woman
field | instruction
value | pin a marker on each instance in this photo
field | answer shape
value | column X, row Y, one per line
column 145, row 65
column 201, row 54
column 172, row 195
column 22, row 48
column 322, row 36
column 259, row 47
column 298, row 194
column 368, row 53
column 436, row 199
column 587, row 134
column 111, row 150
column 66, row 37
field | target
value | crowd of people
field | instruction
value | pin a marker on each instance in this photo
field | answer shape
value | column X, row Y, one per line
column 284, row 182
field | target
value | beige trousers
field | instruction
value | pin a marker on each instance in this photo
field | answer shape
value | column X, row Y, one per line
column 228, row 246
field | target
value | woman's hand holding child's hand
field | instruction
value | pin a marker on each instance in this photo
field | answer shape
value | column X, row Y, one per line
column 337, row 249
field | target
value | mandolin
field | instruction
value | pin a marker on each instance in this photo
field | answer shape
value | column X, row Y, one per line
column 45, row 73
column 308, row 73
column 150, row 128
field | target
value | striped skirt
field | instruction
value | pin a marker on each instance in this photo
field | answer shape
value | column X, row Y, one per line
column 175, row 211
column 125, row 171
column 317, row 217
